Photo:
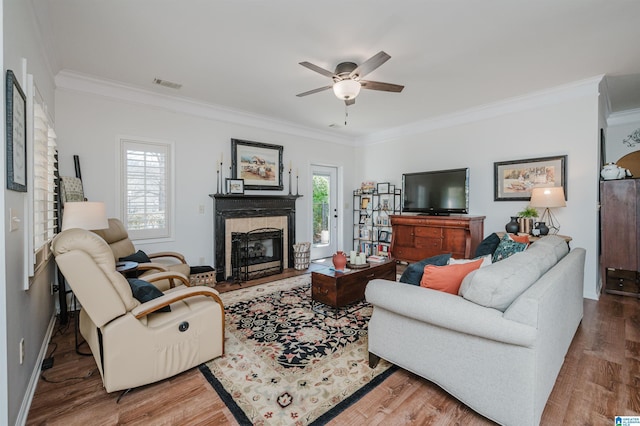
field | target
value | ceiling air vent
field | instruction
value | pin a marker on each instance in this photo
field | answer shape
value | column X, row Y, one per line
column 167, row 83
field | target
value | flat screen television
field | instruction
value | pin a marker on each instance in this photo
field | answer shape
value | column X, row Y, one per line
column 440, row 192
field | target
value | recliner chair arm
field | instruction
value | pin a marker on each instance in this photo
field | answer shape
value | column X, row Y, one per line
column 167, row 275
column 167, row 299
column 174, row 254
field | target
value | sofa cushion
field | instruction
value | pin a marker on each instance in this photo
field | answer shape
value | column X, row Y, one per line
column 507, row 248
column 447, row 278
column 488, row 245
column 413, row 273
column 500, row 283
column 144, row 291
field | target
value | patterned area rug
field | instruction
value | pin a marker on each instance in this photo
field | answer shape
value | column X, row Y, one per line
column 287, row 362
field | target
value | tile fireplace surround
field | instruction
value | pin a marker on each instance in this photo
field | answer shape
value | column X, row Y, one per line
column 243, row 213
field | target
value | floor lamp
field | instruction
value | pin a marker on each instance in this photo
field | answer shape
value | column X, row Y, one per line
column 548, row 198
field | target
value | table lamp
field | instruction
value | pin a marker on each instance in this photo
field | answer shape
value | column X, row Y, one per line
column 89, row 215
column 548, row 198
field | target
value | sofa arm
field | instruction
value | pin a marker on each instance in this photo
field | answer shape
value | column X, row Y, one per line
column 447, row 311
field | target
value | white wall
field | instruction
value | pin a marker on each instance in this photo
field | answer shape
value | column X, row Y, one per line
column 620, row 126
column 562, row 127
column 89, row 125
column 24, row 314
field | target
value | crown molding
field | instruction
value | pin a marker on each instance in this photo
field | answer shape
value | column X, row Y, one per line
column 624, row 117
column 82, row 83
column 77, row 82
column 551, row 96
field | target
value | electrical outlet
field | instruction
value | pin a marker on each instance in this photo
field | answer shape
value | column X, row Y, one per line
column 201, row 261
column 22, row 351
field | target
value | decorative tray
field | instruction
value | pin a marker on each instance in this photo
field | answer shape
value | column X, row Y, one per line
column 362, row 266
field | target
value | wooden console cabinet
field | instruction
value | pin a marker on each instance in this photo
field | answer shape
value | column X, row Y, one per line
column 620, row 236
column 417, row 237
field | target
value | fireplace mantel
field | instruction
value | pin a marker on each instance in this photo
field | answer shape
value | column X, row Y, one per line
column 228, row 206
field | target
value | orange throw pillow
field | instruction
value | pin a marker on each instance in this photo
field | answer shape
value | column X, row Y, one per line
column 447, row 278
column 524, row 239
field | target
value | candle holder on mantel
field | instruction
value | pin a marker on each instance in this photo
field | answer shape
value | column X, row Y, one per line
column 290, row 182
column 297, row 186
column 217, row 182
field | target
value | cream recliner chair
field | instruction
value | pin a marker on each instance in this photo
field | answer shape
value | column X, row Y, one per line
column 121, row 246
column 132, row 343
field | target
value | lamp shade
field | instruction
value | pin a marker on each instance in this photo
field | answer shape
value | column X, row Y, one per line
column 89, row 215
column 548, row 197
column 346, row 89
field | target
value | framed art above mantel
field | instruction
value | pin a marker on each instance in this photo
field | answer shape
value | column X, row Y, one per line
column 259, row 164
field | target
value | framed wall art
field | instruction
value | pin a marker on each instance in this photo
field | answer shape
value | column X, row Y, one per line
column 514, row 180
column 235, row 186
column 16, row 124
column 258, row 164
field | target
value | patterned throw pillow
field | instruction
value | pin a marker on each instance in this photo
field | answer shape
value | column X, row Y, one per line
column 506, row 248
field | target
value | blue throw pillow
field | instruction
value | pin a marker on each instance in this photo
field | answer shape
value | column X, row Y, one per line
column 139, row 257
column 488, row 245
column 506, row 248
column 144, row 291
column 413, row 273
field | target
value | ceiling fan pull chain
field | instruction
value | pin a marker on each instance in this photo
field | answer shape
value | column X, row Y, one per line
column 346, row 114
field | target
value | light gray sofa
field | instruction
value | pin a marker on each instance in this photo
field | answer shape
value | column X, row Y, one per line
column 499, row 346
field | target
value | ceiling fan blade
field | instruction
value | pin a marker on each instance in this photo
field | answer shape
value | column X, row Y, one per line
column 311, row 92
column 370, row 64
column 317, row 69
column 377, row 85
column 351, row 101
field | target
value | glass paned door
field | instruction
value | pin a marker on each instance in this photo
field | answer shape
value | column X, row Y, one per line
column 325, row 211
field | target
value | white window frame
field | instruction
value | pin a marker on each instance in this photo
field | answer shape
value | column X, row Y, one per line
column 149, row 146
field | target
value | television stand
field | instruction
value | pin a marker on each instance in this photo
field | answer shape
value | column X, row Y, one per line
column 414, row 238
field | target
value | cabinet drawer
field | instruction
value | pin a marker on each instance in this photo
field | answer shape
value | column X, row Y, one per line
column 621, row 273
column 428, row 232
column 622, row 285
column 410, row 254
column 428, row 243
column 620, row 281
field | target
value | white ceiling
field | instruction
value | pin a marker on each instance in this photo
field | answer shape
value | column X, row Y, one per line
column 451, row 55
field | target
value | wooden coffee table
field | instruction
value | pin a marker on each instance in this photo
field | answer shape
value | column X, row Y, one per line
column 339, row 289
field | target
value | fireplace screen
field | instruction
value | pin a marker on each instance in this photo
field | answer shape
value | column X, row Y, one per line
column 256, row 253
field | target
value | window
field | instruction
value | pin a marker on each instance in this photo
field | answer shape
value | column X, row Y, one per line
column 42, row 185
column 146, row 188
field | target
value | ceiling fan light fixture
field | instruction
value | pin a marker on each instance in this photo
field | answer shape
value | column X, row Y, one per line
column 346, row 89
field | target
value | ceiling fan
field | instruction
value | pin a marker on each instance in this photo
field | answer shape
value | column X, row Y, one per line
column 347, row 78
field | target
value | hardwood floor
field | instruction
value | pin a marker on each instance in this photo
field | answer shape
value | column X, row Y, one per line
column 599, row 380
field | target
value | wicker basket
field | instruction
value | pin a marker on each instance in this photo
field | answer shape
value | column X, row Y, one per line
column 207, row 278
column 301, row 255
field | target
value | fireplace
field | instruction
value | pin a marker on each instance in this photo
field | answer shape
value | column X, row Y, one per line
column 245, row 213
column 256, row 254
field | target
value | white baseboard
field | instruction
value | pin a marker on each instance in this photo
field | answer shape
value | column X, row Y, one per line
column 35, row 376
